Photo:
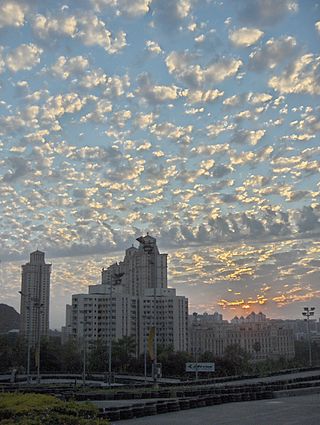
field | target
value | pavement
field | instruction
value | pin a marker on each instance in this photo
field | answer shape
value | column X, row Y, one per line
column 303, row 410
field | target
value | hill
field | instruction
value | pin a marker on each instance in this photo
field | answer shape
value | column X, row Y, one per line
column 9, row 318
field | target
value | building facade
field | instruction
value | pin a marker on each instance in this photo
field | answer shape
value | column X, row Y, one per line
column 261, row 339
column 35, row 297
column 132, row 297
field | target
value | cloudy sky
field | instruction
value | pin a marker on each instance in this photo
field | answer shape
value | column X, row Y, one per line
column 195, row 120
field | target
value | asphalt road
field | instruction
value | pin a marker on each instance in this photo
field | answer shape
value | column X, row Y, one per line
column 303, row 410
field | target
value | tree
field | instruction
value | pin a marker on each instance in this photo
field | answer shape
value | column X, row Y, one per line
column 238, row 359
column 71, row 357
column 123, row 351
column 51, row 354
column 98, row 357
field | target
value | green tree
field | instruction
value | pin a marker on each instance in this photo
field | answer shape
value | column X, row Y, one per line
column 71, row 360
column 51, row 354
column 124, row 350
column 238, row 359
column 98, row 357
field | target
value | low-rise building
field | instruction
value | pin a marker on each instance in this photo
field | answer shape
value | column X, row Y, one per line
column 261, row 339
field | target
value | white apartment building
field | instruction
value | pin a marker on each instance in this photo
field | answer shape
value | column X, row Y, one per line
column 261, row 339
column 135, row 283
column 171, row 318
column 97, row 315
column 35, row 297
column 143, row 267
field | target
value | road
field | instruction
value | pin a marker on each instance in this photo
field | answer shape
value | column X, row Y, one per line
column 304, row 410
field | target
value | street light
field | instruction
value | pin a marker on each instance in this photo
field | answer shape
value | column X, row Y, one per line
column 144, row 318
column 196, row 324
column 115, row 280
column 149, row 250
column 84, row 353
column 33, row 302
column 308, row 312
column 28, row 307
column 38, row 306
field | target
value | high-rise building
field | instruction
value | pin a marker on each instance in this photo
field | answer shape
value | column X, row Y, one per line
column 35, row 296
column 123, row 304
column 142, row 268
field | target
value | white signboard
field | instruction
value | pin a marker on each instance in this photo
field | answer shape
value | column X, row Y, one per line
column 200, row 367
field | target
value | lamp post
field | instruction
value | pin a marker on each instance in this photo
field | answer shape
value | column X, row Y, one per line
column 308, row 312
column 195, row 324
column 38, row 306
column 115, row 280
column 145, row 349
column 28, row 307
column 84, row 353
column 149, row 250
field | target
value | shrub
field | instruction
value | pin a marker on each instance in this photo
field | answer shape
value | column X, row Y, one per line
column 40, row 409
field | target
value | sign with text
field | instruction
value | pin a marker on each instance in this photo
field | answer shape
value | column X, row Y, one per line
column 200, row 367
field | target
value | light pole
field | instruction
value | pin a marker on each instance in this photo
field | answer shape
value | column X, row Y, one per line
column 149, row 250
column 38, row 306
column 195, row 324
column 28, row 307
column 115, row 280
column 145, row 349
column 84, row 353
column 308, row 312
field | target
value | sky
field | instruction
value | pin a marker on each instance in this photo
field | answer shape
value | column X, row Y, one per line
column 195, row 120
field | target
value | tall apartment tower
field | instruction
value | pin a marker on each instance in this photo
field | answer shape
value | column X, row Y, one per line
column 35, row 295
column 142, row 268
column 132, row 297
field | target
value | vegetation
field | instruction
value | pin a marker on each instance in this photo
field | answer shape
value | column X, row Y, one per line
column 69, row 358
column 40, row 409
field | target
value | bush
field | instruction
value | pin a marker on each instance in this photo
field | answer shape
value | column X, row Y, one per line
column 40, row 409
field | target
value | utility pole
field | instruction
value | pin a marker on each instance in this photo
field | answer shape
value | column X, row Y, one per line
column 308, row 312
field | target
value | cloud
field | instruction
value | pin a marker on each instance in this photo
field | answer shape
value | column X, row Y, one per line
column 153, row 47
column 180, row 65
column 18, row 167
column 131, row 8
column 155, row 93
column 199, row 96
column 245, row 37
column 69, row 67
column 173, row 132
column 257, row 98
column 57, row 106
column 46, row 26
column 170, row 13
column 12, row 14
column 24, row 57
column 265, row 12
column 2, row 62
column 93, row 32
column 302, row 76
column 272, row 53
column 93, row 78
column 317, row 26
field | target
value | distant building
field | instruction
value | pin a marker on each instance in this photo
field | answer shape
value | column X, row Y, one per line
column 251, row 318
column 259, row 337
column 135, row 282
column 35, row 297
